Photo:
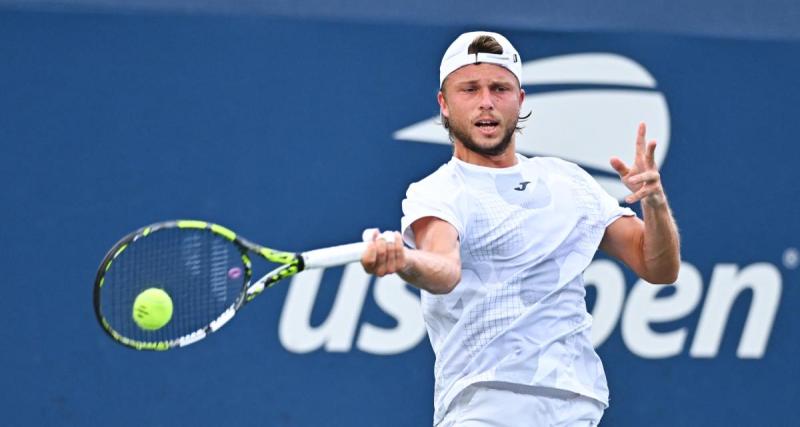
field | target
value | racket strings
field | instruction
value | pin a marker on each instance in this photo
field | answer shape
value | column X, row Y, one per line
column 201, row 271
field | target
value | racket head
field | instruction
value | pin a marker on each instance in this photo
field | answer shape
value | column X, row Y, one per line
column 203, row 267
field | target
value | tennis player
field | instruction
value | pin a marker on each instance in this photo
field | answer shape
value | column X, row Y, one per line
column 498, row 243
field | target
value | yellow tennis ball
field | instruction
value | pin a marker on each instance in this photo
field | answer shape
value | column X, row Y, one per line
column 152, row 309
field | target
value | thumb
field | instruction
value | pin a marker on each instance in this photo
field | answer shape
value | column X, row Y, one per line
column 619, row 166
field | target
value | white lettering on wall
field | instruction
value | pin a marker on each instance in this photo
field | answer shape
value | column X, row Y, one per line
column 645, row 307
column 397, row 301
column 727, row 283
column 637, row 313
column 337, row 331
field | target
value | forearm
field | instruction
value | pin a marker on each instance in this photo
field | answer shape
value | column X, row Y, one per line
column 660, row 241
column 652, row 248
column 435, row 266
column 433, row 272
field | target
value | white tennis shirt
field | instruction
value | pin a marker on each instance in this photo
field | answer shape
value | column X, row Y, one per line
column 518, row 314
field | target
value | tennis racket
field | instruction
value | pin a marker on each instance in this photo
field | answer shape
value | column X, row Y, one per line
column 205, row 269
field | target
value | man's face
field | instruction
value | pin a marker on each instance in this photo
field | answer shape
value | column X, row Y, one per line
column 482, row 103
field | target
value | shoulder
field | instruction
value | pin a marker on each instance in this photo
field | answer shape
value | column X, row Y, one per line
column 553, row 163
column 556, row 169
column 557, row 166
column 444, row 180
column 437, row 195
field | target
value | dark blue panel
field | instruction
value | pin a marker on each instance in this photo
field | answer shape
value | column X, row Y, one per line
column 282, row 130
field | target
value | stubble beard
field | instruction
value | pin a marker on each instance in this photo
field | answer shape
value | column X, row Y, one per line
column 462, row 136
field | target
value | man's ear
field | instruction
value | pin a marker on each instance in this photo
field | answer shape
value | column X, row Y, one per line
column 442, row 105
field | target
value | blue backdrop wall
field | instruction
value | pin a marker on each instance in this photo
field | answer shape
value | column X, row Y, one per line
column 300, row 134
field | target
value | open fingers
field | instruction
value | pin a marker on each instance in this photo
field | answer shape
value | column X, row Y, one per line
column 635, row 197
column 640, row 139
column 651, row 154
column 650, row 176
column 647, row 189
column 619, row 166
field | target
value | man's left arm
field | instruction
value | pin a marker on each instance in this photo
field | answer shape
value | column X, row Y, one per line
column 651, row 248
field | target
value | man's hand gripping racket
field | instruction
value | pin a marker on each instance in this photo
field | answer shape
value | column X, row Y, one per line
column 205, row 272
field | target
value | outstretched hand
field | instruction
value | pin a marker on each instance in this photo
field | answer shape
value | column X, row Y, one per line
column 385, row 253
column 641, row 177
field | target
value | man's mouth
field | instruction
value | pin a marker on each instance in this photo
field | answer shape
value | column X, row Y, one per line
column 487, row 126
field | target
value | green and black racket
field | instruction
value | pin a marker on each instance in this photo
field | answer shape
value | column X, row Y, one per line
column 204, row 269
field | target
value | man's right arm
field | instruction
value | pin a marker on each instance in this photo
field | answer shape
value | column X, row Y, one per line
column 434, row 266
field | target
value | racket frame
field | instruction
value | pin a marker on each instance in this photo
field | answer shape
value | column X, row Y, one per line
column 291, row 264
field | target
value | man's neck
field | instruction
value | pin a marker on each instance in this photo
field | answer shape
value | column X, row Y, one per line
column 505, row 159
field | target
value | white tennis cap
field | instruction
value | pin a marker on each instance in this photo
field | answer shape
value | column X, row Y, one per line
column 457, row 55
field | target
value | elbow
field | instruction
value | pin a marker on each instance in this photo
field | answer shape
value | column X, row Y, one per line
column 666, row 276
column 673, row 277
column 661, row 270
column 672, row 273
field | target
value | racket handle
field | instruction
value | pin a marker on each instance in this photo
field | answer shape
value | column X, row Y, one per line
column 333, row 256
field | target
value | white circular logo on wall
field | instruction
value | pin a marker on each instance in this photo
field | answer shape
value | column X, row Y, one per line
column 584, row 125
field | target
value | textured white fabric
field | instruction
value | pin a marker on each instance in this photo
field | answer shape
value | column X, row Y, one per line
column 457, row 55
column 510, row 405
column 518, row 315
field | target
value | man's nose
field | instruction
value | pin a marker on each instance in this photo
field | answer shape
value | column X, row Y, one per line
column 486, row 102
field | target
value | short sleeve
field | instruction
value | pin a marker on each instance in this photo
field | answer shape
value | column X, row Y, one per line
column 610, row 210
column 610, row 207
column 430, row 198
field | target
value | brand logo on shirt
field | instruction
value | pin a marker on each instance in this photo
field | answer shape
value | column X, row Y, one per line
column 522, row 185
column 592, row 116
